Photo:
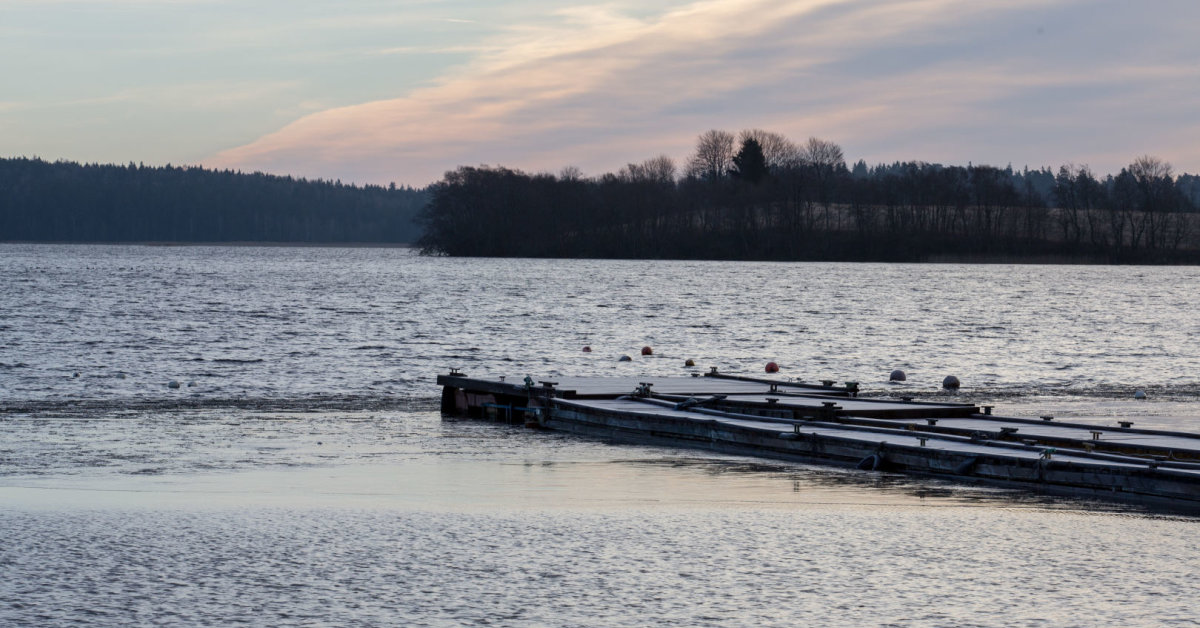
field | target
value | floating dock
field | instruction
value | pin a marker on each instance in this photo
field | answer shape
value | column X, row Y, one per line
column 829, row 423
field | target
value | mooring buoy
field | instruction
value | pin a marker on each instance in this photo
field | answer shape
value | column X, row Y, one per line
column 897, row 376
column 1139, row 394
column 647, row 351
column 587, row 349
column 772, row 367
column 625, row 358
column 689, row 362
column 951, row 383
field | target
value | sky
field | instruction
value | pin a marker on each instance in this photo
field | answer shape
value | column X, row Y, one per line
column 380, row 91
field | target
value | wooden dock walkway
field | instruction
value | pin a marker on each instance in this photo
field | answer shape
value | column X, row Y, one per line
column 828, row 422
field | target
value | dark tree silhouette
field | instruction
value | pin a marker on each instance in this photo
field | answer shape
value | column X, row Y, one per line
column 806, row 205
column 713, row 157
column 815, row 208
column 69, row 202
column 749, row 164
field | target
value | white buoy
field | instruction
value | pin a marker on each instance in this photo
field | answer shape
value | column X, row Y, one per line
column 950, row 383
column 897, row 376
column 173, row 384
column 1139, row 394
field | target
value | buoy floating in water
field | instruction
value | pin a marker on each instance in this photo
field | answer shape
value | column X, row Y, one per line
column 625, row 358
column 897, row 376
column 950, row 383
column 772, row 367
column 647, row 351
column 173, row 384
column 690, row 362
column 587, row 349
column 1139, row 394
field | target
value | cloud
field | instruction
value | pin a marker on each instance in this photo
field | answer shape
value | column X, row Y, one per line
column 1037, row 82
column 196, row 95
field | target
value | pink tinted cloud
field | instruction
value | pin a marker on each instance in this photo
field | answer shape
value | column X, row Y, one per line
column 897, row 79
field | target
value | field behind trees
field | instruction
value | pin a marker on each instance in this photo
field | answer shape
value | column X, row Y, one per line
column 760, row 196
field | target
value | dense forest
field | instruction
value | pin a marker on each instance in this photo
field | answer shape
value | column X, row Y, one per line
column 70, row 202
column 761, row 196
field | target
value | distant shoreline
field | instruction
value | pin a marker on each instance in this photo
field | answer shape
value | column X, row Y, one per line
column 983, row 259
column 337, row 245
column 949, row 258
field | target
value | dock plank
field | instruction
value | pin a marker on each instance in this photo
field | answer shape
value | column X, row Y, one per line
column 1049, row 429
column 927, row 441
column 575, row 386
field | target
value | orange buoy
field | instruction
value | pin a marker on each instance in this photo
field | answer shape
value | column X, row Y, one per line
column 647, row 351
column 690, row 362
column 772, row 367
column 587, row 349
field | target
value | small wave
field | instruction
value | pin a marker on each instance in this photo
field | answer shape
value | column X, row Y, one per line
column 1185, row 392
column 149, row 471
column 77, row 407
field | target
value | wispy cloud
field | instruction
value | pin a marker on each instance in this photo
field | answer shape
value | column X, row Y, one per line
column 1023, row 81
column 194, row 95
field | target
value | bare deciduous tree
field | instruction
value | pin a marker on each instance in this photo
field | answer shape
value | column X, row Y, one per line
column 713, row 157
column 659, row 169
column 570, row 173
column 823, row 154
column 1147, row 169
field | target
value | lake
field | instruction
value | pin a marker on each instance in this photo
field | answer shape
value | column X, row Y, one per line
column 218, row 435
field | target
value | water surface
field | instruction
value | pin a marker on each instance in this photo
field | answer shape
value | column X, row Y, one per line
column 301, row 475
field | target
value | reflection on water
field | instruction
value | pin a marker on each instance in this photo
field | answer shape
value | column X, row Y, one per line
column 462, row 522
column 669, row 561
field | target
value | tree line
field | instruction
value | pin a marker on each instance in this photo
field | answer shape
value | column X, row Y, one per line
column 70, row 202
column 758, row 195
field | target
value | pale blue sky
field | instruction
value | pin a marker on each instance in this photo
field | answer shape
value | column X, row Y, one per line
column 379, row 90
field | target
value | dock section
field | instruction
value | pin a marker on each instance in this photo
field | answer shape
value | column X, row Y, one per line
column 828, row 423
